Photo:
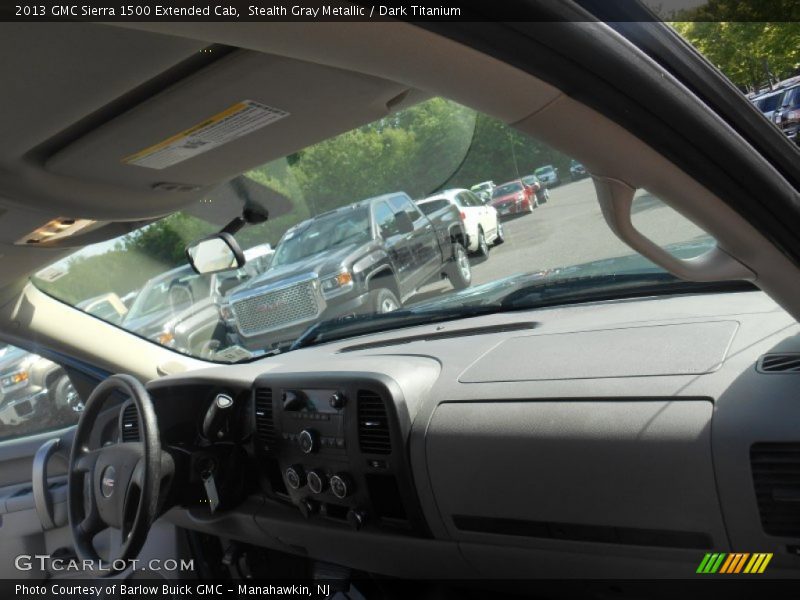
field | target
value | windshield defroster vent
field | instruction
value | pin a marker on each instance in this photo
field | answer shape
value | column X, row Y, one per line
column 373, row 424
column 776, row 478
column 130, row 424
column 265, row 425
column 780, row 363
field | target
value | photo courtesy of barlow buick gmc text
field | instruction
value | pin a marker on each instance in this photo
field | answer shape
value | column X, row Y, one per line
column 376, row 301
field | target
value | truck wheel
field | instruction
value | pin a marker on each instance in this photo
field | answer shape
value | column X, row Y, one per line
column 501, row 236
column 458, row 270
column 483, row 247
column 383, row 300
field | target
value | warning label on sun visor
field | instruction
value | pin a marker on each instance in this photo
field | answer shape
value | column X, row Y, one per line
column 238, row 120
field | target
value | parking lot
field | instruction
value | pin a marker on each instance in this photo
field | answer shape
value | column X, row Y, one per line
column 570, row 230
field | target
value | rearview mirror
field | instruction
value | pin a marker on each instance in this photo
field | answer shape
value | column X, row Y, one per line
column 214, row 254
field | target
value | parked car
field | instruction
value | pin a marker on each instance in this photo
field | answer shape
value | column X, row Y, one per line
column 366, row 257
column 577, row 170
column 483, row 190
column 481, row 223
column 108, row 307
column 513, row 197
column 787, row 116
column 542, row 193
column 32, row 386
column 768, row 102
column 548, row 175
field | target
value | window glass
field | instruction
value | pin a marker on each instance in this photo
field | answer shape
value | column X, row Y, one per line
column 36, row 394
column 401, row 203
column 384, row 216
column 432, row 206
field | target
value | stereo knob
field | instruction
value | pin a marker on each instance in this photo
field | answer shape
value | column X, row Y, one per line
column 296, row 477
column 309, row 441
column 338, row 400
column 341, row 485
column 316, row 481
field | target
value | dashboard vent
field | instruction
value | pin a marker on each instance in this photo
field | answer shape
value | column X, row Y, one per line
column 780, row 363
column 373, row 424
column 265, row 425
column 130, row 424
column 776, row 478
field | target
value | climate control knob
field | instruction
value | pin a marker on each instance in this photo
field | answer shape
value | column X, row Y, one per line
column 341, row 485
column 295, row 477
column 316, row 481
column 309, row 441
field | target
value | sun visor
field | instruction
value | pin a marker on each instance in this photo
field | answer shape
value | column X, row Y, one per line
column 242, row 111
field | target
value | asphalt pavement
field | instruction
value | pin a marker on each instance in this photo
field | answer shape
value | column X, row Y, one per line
column 569, row 230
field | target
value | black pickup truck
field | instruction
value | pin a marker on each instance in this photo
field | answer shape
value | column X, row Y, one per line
column 366, row 257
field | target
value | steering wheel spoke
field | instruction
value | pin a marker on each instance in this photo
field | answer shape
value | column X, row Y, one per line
column 86, row 461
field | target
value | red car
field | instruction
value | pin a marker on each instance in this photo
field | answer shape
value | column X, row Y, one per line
column 513, row 197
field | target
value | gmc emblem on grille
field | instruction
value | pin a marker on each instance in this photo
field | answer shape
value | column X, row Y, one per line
column 267, row 306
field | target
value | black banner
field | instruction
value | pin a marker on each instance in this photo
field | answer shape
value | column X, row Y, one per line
column 406, row 10
column 373, row 589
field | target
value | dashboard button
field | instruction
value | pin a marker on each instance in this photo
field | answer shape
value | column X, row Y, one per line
column 341, row 485
column 309, row 441
column 316, row 481
column 308, row 507
column 356, row 518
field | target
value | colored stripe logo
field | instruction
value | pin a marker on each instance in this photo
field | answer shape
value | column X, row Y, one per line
column 734, row 563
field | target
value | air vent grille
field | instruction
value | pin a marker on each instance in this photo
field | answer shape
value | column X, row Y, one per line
column 130, row 424
column 373, row 424
column 776, row 477
column 265, row 425
column 780, row 363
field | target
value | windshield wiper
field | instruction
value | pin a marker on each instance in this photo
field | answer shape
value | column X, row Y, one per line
column 541, row 294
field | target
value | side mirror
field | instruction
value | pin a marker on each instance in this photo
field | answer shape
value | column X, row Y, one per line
column 404, row 222
column 215, row 254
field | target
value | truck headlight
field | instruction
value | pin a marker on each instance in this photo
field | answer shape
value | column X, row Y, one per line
column 166, row 338
column 16, row 379
column 337, row 284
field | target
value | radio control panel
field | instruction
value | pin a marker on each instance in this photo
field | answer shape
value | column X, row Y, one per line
column 334, row 448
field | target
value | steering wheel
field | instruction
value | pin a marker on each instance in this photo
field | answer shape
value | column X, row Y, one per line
column 115, row 486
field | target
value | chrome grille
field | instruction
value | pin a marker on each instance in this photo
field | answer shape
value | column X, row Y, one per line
column 276, row 309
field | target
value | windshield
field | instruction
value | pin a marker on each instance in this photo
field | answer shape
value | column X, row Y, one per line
column 323, row 233
column 543, row 171
column 506, row 189
column 350, row 241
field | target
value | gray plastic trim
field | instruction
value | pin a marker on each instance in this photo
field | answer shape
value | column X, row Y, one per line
column 616, row 198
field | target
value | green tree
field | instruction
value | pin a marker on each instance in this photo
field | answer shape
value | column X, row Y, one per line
column 749, row 53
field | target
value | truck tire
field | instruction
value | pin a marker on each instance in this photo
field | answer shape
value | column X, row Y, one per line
column 483, row 247
column 501, row 236
column 383, row 300
column 458, row 269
